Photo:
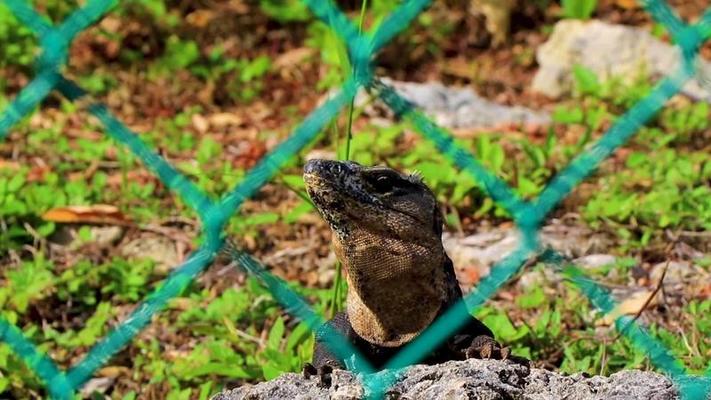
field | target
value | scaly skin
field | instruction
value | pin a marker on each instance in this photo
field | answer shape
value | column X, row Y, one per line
column 387, row 231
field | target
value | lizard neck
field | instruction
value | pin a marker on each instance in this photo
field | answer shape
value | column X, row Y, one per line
column 393, row 296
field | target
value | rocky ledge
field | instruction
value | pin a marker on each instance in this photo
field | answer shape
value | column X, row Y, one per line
column 471, row 379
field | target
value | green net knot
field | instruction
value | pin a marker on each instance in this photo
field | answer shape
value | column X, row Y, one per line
column 55, row 52
column 361, row 58
column 528, row 220
column 689, row 39
column 214, row 220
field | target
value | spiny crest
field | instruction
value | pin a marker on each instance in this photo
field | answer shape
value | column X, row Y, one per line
column 415, row 177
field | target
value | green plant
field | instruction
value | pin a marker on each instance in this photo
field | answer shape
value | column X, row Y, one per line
column 285, row 11
column 179, row 54
column 579, row 9
column 17, row 42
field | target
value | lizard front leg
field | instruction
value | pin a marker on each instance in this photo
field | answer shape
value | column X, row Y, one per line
column 324, row 362
column 485, row 347
column 323, row 372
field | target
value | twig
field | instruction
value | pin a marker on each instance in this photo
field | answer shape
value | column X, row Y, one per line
column 603, row 360
column 686, row 342
column 167, row 232
column 694, row 234
column 39, row 240
column 646, row 303
column 242, row 334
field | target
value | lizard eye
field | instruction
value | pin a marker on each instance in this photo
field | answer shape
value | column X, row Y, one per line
column 382, row 183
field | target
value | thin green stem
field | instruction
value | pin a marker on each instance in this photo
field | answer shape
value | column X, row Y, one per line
column 346, row 156
column 334, row 131
column 363, row 7
column 335, row 296
column 303, row 196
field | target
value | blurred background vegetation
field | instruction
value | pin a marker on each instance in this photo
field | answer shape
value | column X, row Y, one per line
column 213, row 85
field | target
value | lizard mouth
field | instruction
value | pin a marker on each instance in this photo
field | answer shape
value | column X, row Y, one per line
column 332, row 184
column 322, row 190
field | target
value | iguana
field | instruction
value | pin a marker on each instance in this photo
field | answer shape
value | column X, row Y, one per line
column 387, row 230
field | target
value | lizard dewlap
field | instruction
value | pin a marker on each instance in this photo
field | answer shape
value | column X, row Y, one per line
column 387, row 230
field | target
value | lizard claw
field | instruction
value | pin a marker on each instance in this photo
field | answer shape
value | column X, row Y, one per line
column 309, row 370
column 485, row 347
column 323, row 372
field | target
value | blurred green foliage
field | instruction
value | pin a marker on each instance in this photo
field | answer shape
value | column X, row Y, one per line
column 240, row 333
column 578, row 9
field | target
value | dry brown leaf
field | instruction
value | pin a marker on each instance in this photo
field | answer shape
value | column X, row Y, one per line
column 10, row 165
column 139, row 176
column 93, row 214
column 200, row 18
column 220, row 120
column 498, row 17
column 110, row 24
column 200, row 123
column 182, row 304
column 460, row 67
column 627, row 4
column 469, row 275
column 293, row 57
column 113, row 371
column 630, row 306
column 238, row 7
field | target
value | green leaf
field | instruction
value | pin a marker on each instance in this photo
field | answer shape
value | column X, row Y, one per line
column 580, row 9
column 294, row 214
column 15, row 183
column 29, row 281
column 261, row 219
column 295, row 181
column 208, row 150
column 84, row 233
column 564, row 115
column 276, row 333
column 586, row 81
column 285, row 10
column 129, row 396
column 296, row 336
column 179, row 54
column 205, row 389
column 527, row 187
column 542, row 323
column 255, row 68
column 270, row 371
column 503, row 328
column 531, row 299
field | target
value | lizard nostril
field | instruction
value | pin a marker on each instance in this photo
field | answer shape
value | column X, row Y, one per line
column 312, row 166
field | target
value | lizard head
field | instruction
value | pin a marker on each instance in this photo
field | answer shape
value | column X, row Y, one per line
column 387, row 234
column 351, row 197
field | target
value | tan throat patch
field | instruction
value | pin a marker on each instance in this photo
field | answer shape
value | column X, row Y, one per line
column 394, row 330
column 396, row 298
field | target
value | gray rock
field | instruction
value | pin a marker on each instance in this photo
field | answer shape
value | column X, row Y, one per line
column 453, row 108
column 158, row 248
column 96, row 386
column 483, row 249
column 677, row 272
column 67, row 235
column 609, row 50
column 595, row 260
column 470, row 379
column 462, row 108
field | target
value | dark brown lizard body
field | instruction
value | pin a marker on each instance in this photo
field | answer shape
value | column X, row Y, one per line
column 387, row 233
